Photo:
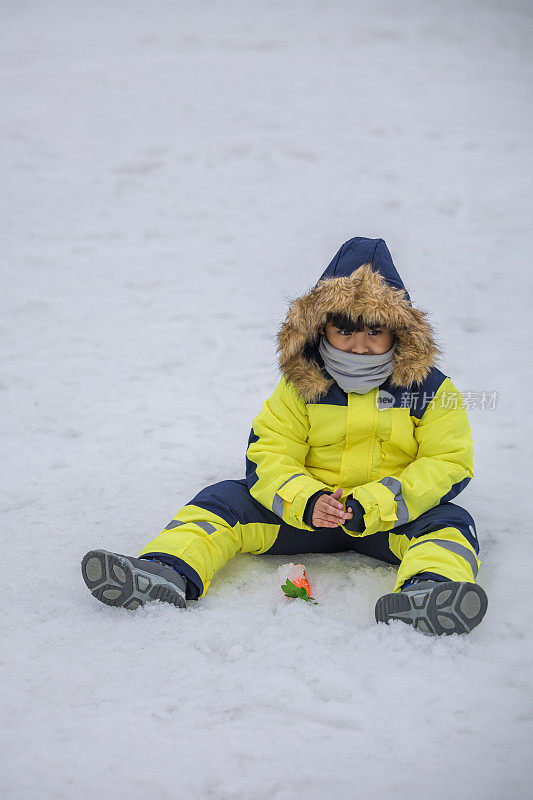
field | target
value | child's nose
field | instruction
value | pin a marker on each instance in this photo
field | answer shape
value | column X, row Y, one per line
column 360, row 344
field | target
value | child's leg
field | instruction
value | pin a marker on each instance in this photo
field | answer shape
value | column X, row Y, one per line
column 222, row 520
column 440, row 545
column 293, row 541
column 440, row 548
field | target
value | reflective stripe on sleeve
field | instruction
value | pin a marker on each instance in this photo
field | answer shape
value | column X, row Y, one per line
column 402, row 511
column 277, row 503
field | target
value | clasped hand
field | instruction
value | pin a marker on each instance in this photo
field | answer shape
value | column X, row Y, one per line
column 329, row 513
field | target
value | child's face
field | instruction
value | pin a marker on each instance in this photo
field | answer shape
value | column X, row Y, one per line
column 370, row 342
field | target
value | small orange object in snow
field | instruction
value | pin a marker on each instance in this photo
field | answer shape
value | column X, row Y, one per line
column 302, row 582
column 297, row 584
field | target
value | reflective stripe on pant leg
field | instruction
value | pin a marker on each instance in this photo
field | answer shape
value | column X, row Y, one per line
column 207, row 539
column 445, row 552
column 455, row 547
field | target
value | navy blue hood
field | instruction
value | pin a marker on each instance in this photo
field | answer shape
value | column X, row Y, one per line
column 362, row 282
column 360, row 250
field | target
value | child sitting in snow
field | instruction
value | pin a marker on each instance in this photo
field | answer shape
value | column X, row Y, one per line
column 361, row 446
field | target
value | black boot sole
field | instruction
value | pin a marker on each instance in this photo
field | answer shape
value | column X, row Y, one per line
column 118, row 580
column 440, row 609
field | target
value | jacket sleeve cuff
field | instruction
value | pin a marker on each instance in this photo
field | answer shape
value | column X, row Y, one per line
column 290, row 499
column 310, row 507
column 379, row 505
column 356, row 523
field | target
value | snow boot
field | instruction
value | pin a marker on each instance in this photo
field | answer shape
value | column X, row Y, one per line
column 119, row 580
column 435, row 607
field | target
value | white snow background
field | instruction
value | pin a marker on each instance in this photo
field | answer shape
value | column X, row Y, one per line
column 172, row 174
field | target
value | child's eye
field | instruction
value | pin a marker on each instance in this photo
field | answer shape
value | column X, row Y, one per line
column 375, row 332
column 347, row 333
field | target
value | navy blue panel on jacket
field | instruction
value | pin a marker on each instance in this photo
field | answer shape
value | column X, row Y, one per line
column 456, row 489
column 417, row 398
column 251, row 468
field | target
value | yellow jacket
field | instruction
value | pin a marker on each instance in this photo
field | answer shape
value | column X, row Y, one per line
column 396, row 463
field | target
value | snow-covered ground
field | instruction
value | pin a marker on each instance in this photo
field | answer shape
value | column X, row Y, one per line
column 171, row 174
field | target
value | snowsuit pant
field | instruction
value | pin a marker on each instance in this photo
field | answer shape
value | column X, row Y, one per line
column 224, row 519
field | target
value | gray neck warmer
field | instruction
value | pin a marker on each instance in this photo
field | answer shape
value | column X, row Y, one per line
column 354, row 372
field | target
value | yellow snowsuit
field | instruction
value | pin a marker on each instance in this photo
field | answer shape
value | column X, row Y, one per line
column 403, row 449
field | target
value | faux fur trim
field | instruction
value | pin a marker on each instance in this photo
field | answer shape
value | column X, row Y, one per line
column 364, row 293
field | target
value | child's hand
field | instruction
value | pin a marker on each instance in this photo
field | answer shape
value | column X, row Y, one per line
column 328, row 512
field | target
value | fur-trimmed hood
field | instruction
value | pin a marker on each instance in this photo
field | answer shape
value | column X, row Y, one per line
column 361, row 281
